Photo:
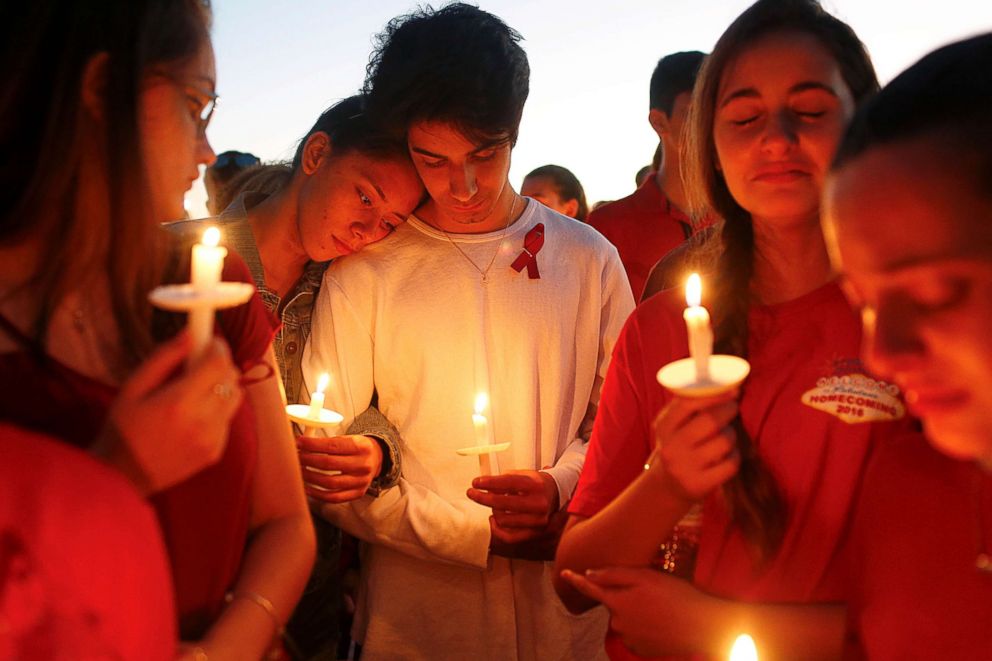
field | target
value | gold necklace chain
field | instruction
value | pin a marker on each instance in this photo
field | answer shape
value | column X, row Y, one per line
column 484, row 272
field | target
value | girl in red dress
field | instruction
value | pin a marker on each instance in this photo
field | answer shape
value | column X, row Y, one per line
column 104, row 114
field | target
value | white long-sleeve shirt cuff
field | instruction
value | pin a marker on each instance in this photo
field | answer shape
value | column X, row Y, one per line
column 567, row 469
column 417, row 522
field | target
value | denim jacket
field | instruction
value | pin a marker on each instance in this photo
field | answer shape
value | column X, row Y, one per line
column 295, row 312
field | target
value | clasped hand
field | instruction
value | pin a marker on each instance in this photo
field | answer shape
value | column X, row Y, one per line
column 358, row 458
column 695, row 445
column 169, row 422
column 654, row 613
column 526, row 522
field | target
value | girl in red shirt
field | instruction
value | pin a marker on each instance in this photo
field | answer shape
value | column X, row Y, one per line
column 777, row 466
column 103, row 120
column 907, row 212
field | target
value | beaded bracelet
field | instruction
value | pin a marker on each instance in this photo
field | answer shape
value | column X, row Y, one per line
column 263, row 603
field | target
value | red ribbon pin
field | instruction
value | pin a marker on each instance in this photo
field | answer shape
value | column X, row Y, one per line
column 533, row 243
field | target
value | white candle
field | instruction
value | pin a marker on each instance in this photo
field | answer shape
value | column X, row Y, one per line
column 482, row 432
column 744, row 649
column 206, row 267
column 697, row 322
column 317, row 398
column 208, row 260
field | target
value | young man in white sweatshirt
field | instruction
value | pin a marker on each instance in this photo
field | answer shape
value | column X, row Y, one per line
column 481, row 291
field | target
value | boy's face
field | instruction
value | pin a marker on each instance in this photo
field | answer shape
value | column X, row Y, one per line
column 467, row 182
column 912, row 240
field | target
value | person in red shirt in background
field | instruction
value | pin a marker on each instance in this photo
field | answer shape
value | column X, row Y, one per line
column 776, row 468
column 647, row 224
column 908, row 218
column 556, row 188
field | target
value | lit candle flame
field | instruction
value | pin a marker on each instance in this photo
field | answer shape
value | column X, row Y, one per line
column 481, row 402
column 322, row 382
column 744, row 649
column 211, row 237
column 694, row 291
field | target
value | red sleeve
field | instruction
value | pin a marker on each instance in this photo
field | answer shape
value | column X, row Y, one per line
column 601, row 220
column 621, row 439
column 249, row 328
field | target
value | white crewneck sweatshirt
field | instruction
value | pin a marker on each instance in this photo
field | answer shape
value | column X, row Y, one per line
column 411, row 319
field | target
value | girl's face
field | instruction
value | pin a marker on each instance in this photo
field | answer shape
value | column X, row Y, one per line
column 912, row 239
column 172, row 110
column 781, row 107
column 351, row 200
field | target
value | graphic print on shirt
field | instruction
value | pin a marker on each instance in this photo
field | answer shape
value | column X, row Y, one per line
column 853, row 396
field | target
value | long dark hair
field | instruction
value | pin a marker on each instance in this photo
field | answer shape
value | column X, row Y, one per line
column 46, row 50
column 350, row 128
column 754, row 499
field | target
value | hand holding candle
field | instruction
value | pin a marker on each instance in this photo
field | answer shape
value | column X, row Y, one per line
column 314, row 416
column 697, row 322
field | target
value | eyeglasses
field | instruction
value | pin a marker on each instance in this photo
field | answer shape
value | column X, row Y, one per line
column 207, row 108
column 240, row 159
column 207, row 111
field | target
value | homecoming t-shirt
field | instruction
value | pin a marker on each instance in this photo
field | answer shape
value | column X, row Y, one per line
column 812, row 410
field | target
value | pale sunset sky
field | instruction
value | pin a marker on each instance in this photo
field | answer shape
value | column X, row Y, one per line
column 281, row 63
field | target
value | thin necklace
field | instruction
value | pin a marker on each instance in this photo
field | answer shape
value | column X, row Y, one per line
column 94, row 355
column 484, row 272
